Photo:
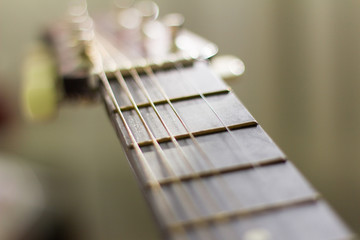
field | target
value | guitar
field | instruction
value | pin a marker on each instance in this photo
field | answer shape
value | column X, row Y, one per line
column 205, row 166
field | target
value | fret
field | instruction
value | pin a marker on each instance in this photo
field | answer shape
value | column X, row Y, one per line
column 174, row 87
column 175, row 99
column 219, row 217
column 222, row 153
column 197, row 133
column 262, row 188
column 193, row 113
column 308, row 221
column 264, row 185
column 213, row 172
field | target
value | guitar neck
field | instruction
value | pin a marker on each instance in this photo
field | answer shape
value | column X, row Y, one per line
column 206, row 167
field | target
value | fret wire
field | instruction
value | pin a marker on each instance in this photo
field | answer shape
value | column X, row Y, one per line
column 202, row 96
column 97, row 61
column 176, row 99
column 152, row 76
column 154, row 79
column 244, row 212
column 138, row 81
column 155, row 186
column 256, row 166
column 179, row 68
column 162, row 155
column 197, row 222
column 235, row 168
column 136, row 77
column 149, row 70
column 198, row 133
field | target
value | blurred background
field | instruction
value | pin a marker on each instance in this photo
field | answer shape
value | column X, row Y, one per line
column 302, row 83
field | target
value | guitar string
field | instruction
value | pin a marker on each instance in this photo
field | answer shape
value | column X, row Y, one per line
column 159, row 150
column 102, row 75
column 228, row 129
column 97, row 62
column 256, row 167
column 154, row 79
column 216, row 173
column 205, row 156
column 146, row 169
column 180, row 68
column 223, row 217
column 201, row 96
column 136, row 77
column 138, row 81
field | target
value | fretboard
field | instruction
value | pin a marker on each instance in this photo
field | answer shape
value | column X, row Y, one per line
column 207, row 168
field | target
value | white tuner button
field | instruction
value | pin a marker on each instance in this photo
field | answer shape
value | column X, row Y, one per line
column 227, row 67
column 148, row 9
column 174, row 22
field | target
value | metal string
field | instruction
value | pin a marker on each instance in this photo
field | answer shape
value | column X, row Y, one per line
column 154, row 184
column 214, row 203
column 98, row 69
column 98, row 66
column 150, row 73
column 152, row 76
column 179, row 67
column 159, row 150
column 138, row 81
column 216, row 172
column 228, row 130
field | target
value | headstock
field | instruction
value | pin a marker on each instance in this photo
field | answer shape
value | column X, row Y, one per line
column 133, row 32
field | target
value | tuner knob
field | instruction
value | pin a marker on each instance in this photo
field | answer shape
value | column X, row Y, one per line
column 148, row 9
column 227, row 67
column 123, row 4
column 130, row 18
column 174, row 22
column 77, row 8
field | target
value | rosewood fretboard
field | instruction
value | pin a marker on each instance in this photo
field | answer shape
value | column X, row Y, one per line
column 225, row 178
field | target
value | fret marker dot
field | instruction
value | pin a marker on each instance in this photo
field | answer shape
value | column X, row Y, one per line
column 257, row 234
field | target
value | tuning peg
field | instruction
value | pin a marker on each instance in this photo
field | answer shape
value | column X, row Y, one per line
column 77, row 8
column 123, row 4
column 130, row 18
column 174, row 22
column 227, row 67
column 148, row 9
